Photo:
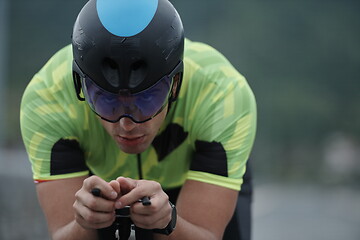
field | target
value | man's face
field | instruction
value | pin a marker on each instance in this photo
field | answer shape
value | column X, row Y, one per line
column 134, row 137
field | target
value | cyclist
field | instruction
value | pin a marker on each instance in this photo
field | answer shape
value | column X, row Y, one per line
column 134, row 110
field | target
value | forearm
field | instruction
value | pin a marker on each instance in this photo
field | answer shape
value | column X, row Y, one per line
column 187, row 231
column 73, row 231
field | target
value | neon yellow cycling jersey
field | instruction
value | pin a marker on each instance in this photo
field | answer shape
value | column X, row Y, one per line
column 207, row 135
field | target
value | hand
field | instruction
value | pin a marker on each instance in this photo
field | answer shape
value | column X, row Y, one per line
column 156, row 215
column 93, row 212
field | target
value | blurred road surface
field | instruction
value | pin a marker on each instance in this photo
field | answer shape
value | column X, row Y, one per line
column 280, row 212
column 311, row 212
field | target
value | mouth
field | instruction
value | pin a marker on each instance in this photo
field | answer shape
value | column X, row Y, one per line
column 130, row 140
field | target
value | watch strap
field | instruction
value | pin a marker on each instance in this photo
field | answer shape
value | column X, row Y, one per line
column 171, row 225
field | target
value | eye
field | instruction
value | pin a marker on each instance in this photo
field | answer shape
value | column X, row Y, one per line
column 108, row 100
column 147, row 97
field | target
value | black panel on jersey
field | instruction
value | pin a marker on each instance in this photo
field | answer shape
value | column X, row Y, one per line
column 67, row 157
column 168, row 140
column 210, row 157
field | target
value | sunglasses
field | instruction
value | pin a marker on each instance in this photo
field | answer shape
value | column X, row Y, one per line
column 139, row 107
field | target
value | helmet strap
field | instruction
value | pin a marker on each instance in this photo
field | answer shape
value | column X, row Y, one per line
column 175, row 89
column 77, row 85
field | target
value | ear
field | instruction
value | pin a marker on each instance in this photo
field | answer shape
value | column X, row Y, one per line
column 177, row 80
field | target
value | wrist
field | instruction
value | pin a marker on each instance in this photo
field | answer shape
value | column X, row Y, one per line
column 74, row 230
column 171, row 225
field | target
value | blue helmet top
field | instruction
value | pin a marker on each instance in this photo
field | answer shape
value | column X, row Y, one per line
column 126, row 18
column 127, row 44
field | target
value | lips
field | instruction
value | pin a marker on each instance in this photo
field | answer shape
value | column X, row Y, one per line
column 130, row 140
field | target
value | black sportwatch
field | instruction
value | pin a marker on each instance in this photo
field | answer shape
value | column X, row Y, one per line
column 171, row 226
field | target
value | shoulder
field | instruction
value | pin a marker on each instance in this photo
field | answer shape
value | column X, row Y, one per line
column 202, row 61
column 202, row 54
column 63, row 54
column 53, row 78
column 59, row 65
column 206, row 70
column 49, row 100
column 213, row 93
column 53, row 120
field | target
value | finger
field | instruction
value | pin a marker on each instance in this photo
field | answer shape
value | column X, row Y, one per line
column 85, row 223
column 91, row 219
column 94, row 203
column 159, row 202
column 140, row 189
column 126, row 184
column 116, row 186
column 96, row 182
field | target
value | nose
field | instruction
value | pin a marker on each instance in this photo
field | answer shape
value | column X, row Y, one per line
column 127, row 124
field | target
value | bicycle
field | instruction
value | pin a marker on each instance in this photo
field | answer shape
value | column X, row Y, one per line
column 123, row 224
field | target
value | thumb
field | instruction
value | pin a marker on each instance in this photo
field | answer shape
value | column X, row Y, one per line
column 116, row 186
column 126, row 184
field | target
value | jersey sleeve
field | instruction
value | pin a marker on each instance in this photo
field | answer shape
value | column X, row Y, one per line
column 222, row 118
column 46, row 118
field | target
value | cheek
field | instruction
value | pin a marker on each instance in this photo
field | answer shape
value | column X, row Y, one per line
column 154, row 125
column 109, row 127
column 161, row 117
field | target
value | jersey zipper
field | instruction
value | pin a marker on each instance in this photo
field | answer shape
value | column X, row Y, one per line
column 139, row 166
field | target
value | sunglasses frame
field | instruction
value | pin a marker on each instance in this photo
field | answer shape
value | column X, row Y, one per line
column 79, row 76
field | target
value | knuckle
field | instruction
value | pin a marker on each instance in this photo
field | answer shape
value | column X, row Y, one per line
column 77, row 194
column 88, row 181
column 92, row 203
column 156, row 185
column 153, row 208
column 90, row 217
column 75, row 208
column 75, row 205
column 166, row 198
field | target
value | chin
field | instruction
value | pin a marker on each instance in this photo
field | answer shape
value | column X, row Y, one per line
column 133, row 150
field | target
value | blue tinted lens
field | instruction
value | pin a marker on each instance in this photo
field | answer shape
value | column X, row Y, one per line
column 139, row 107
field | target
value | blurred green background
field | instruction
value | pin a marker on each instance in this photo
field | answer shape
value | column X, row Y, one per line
column 301, row 58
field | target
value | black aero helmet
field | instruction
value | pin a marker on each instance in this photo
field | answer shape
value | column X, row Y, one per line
column 125, row 47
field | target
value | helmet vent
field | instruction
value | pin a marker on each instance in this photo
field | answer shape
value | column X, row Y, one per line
column 111, row 72
column 137, row 73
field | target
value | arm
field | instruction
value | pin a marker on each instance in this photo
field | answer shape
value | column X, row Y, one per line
column 204, row 211
column 70, row 209
column 56, row 200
